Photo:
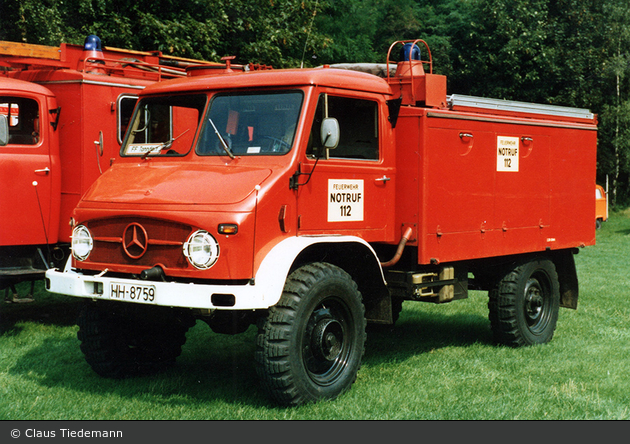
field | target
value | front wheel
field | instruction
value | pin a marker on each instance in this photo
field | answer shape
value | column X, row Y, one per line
column 121, row 340
column 310, row 346
column 524, row 305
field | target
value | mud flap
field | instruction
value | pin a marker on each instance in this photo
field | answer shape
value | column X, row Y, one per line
column 567, row 276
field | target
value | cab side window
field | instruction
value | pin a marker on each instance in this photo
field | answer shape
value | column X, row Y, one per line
column 23, row 117
column 358, row 124
column 125, row 108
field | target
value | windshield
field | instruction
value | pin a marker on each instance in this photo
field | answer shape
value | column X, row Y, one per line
column 164, row 126
column 250, row 124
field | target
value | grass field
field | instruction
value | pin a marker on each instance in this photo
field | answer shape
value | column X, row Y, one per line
column 438, row 362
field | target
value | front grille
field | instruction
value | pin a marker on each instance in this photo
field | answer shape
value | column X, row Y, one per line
column 138, row 242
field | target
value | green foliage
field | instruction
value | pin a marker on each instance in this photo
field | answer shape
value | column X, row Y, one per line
column 362, row 31
column 351, row 25
column 614, row 146
column 531, row 50
column 563, row 52
column 262, row 31
column 272, row 32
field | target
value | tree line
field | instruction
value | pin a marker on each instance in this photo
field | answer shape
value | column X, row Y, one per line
column 561, row 52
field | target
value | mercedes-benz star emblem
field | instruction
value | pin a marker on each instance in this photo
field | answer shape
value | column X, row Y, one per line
column 135, row 240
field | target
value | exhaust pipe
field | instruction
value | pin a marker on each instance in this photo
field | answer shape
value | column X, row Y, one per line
column 399, row 250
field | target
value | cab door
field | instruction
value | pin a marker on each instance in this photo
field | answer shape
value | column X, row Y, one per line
column 25, row 173
column 348, row 189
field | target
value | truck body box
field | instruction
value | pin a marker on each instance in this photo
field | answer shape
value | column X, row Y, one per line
column 482, row 182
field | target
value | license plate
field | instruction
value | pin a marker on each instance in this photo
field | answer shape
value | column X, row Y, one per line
column 132, row 292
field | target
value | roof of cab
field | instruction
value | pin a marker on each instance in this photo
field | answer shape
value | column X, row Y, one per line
column 330, row 77
column 23, row 86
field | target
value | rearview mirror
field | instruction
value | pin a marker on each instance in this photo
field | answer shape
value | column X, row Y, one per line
column 4, row 130
column 330, row 133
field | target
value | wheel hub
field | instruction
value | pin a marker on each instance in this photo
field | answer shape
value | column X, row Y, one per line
column 327, row 340
column 533, row 301
column 326, row 343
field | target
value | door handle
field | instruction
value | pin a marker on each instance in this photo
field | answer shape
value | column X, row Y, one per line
column 43, row 171
column 383, row 179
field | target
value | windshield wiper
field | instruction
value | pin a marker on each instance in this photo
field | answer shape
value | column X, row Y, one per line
column 166, row 144
column 169, row 143
column 225, row 146
column 146, row 154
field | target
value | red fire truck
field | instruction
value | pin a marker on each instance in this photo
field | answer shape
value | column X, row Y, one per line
column 313, row 201
column 63, row 113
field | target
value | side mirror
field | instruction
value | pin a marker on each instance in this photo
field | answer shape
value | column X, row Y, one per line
column 330, row 133
column 4, row 130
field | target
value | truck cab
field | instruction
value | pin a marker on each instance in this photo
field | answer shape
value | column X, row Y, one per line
column 241, row 183
column 244, row 174
column 30, row 169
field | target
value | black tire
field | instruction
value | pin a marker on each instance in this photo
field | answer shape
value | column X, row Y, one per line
column 119, row 340
column 231, row 322
column 310, row 346
column 523, row 308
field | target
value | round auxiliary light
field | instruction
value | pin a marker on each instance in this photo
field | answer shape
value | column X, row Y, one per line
column 82, row 243
column 201, row 250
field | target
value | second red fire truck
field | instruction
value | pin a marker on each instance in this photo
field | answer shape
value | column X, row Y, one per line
column 312, row 201
column 65, row 111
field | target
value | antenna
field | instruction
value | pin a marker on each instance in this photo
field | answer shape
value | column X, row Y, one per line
column 308, row 34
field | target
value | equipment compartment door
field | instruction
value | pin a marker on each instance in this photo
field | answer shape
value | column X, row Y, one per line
column 25, row 172
column 523, row 187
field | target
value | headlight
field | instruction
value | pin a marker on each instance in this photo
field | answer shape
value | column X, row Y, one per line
column 201, row 250
column 81, row 243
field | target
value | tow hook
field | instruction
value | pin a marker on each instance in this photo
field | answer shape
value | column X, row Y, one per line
column 152, row 274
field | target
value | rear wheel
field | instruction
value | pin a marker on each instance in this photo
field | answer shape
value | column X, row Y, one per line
column 310, row 346
column 119, row 340
column 524, row 305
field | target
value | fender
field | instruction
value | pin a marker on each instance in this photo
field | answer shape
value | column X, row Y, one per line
column 262, row 292
column 276, row 266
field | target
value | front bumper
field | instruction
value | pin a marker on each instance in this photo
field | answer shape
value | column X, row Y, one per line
column 71, row 282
